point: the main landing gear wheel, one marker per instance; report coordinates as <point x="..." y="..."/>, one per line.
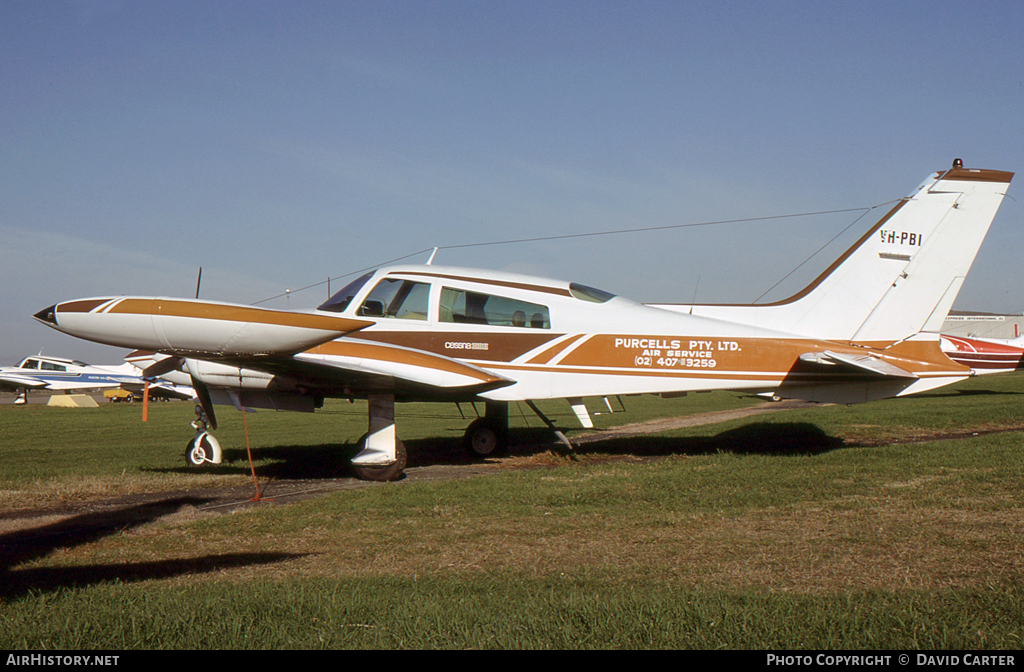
<point x="388" y="472"/>
<point x="485" y="437"/>
<point x="201" y="450"/>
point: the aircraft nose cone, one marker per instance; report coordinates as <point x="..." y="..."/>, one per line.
<point x="47" y="315"/>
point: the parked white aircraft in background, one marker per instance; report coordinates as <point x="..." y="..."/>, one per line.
<point x="56" y="374"/>
<point x="866" y="328"/>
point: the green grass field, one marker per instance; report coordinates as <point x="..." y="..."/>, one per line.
<point x="890" y="525"/>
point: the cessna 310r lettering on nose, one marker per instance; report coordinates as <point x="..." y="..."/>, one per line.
<point x="866" y="328"/>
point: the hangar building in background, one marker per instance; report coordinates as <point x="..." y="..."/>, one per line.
<point x="983" y="325"/>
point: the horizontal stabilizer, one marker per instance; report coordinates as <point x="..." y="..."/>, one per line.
<point x="859" y="363"/>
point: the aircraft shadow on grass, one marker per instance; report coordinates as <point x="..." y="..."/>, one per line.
<point x="759" y="438"/>
<point x="953" y="394"/>
<point x="22" y="546"/>
<point x="331" y="461"/>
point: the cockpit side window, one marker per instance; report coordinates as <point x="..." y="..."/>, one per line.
<point x="464" y="307"/>
<point x="339" y="300"/>
<point x="30" y="364"/>
<point x="401" y="299"/>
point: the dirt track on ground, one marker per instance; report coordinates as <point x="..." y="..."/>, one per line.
<point x="285" y="491"/>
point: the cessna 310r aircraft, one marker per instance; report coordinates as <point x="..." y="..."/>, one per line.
<point x="866" y="328"/>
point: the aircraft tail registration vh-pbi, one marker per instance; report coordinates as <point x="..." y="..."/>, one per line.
<point x="866" y="328"/>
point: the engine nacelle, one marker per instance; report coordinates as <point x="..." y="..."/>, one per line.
<point x="192" y="327"/>
<point x="223" y="375"/>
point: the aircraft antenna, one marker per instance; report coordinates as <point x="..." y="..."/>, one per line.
<point x="431" y="260"/>
<point x="813" y="254"/>
<point x="573" y="236"/>
<point x="199" y="280"/>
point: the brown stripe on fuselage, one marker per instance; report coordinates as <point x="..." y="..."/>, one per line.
<point x="230" y="313"/>
<point x="558" y="291"/>
<point x="798" y="372"/>
<point x="709" y="355"/>
<point x="751" y="359"/>
<point x="663" y="355"/>
<point x="83" y="306"/>
<point x="553" y="351"/>
<point x="500" y="347"/>
<point x="352" y="348"/>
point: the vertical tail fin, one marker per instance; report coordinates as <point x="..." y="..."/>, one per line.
<point x="901" y="277"/>
<point x="920" y="298"/>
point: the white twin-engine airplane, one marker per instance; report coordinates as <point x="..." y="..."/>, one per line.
<point x="57" y="374"/>
<point x="866" y="328"/>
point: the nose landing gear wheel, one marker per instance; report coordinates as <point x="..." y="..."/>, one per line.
<point x="201" y="450"/>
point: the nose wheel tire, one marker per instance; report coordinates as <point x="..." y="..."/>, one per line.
<point x="200" y="451"/>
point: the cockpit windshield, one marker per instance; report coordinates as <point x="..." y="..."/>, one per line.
<point x="340" y="300"/>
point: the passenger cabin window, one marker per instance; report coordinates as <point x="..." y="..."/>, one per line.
<point x="401" y="299"/>
<point x="339" y="300"/>
<point x="462" y="307"/>
<point x="50" y="366"/>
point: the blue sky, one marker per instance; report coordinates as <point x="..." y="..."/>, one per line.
<point x="278" y="144"/>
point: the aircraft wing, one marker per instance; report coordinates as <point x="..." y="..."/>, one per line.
<point x="348" y="367"/>
<point x="13" y="381"/>
<point x="856" y="363"/>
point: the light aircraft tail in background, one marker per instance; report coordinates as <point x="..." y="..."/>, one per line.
<point x="866" y="328"/>
<point x="985" y="355"/>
